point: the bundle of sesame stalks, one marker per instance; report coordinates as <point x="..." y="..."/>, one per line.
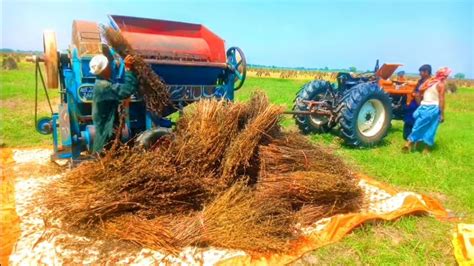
<point x="227" y="177"/>
<point x="151" y="87"/>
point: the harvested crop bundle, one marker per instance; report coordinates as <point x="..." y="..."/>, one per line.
<point x="309" y="188"/>
<point x="9" y="63"/>
<point x="228" y="177"/>
<point x="262" y="123"/>
<point x="238" y="220"/>
<point x="225" y="222"/>
<point x="204" y="133"/>
<point x="151" y="233"/>
<point x="134" y="181"/>
<point x="292" y="152"/>
<point x="151" y="87"/>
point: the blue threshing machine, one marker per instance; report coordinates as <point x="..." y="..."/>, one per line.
<point x="191" y="60"/>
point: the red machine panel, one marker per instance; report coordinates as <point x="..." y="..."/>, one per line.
<point x="171" y="41"/>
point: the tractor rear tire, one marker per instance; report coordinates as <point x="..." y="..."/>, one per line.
<point x="311" y="91"/>
<point x="365" y="116"/>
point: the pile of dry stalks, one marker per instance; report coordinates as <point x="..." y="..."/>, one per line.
<point x="227" y="177"/>
<point x="151" y="87"/>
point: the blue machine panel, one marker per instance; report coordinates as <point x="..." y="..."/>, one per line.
<point x="188" y="75"/>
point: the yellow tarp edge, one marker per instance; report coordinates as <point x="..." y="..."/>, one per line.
<point x="460" y="249"/>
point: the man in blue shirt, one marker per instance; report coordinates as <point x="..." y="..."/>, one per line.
<point x="409" y="120"/>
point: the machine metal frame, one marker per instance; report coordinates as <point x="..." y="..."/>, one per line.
<point x="211" y="73"/>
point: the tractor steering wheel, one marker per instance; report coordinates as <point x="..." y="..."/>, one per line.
<point x="237" y="65"/>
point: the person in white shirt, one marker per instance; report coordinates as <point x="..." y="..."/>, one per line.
<point x="430" y="112"/>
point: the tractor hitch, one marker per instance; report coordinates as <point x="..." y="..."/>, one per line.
<point x="309" y="112"/>
<point x="314" y="108"/>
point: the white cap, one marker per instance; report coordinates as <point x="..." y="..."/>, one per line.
<point x="98" y="63"/>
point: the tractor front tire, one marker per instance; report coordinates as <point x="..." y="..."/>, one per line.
<point x="366" y="115"/>
<point x="311" y="91"/>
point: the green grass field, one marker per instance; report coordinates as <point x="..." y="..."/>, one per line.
<point x="447" y="173"/>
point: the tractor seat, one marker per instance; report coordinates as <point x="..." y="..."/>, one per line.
<point x="386" y="82"/>
<point x="399" y="82"/>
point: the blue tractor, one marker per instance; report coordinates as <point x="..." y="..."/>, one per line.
<point x="190" y="59"/>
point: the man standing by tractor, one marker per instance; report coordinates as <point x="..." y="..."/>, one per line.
<point x="408" y="119"/>
<point x="107" y="96"/>
<point x="401" y="77"/>
<point x="430" y="112"/>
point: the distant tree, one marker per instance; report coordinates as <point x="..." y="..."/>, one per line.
<point x="460" y="76"/>
<point x="326" y="68"/>
<point x="352" y="69"/>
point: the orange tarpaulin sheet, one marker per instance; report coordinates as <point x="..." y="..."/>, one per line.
<point x="384" y="203"/>
<point x="9" y="221"/>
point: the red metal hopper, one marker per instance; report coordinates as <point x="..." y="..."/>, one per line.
<point x="172" y="42"/>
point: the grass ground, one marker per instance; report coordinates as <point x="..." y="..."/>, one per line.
<point x="447" y="174"/>
<point x="17" y="99"/>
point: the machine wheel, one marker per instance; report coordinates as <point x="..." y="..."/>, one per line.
<point x="365" y="115"/>
<point x="311" y="91"/>
<point x="149" y="137"/>
<point x="44" y="126"/>
<point x="238" y="65"/>
<point x="51" y="59"/>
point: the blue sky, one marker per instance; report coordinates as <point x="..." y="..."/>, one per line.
<point x="337" y="34"/>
